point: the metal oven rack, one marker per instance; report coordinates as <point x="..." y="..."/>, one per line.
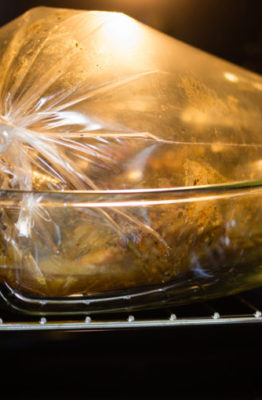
<point x="239" y="309"/>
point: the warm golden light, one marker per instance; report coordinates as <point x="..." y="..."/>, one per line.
<point x="218" y="147"/>
<point x="191" y="115"/>
<point x="122" y="31"/>
<point x="231" y="77"/>
<point x="257" y="85"/>
<point x="135" y="175"/>
<point x="257" y="165"/>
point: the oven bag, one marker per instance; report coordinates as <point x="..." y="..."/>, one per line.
<point x="130" y="166"/>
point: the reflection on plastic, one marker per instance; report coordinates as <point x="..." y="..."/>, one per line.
<point x="231" y="77"/>
<point x="120" y="30"/>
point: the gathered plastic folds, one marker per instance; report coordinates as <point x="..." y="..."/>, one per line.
<point x="130" y="167"/>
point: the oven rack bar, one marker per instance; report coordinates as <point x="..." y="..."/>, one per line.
<point x="122" y="324"/>
<point x="242" y="311"/>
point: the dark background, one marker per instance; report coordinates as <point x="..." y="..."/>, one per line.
<point x="179" y="363"/>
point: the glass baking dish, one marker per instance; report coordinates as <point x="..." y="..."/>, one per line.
<point x="103" y="251"/>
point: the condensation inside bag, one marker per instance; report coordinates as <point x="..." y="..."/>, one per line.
<point x="113" y="111"/>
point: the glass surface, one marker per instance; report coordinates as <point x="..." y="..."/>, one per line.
<point x="189" y="243"/>
<point x="130" y="163"/>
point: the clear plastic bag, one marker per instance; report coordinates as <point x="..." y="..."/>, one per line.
<point x="130" y="165"/>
